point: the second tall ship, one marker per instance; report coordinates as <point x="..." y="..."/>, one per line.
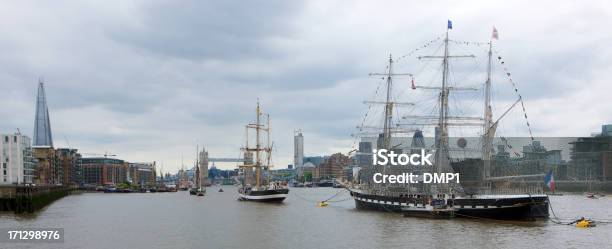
<point x="197" y="190"/>
<point x="256" y="183"/>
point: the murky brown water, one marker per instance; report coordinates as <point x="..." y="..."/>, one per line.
<point x="218" y="220"/>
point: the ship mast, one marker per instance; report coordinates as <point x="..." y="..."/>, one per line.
<point x="442" y="148"/>
<point x="388" y="108"/>
<point x="488" y="130"/>
<point x="257" y="148"/>
<point x="197" y="173"/>
<point x="441" y="152"/>
<point x="268" y="147"/>
<point x="257" y="164"/>
<point x="389" y="104"/>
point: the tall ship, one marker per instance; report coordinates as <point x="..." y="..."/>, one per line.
<point x="488" y="197"/>
<point x="183" y="182"/>
<point x="197" y="189"/>
<point x="256" y="184"/>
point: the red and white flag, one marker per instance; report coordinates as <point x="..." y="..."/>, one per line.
<point x="495" y="35"/>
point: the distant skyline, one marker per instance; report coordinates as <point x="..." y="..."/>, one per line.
<point x="148" y="80"/>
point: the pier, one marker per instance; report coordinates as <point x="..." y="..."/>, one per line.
<point x="21" y="199"/>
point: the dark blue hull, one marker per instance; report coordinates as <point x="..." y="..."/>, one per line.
<point x="497" y="207"/>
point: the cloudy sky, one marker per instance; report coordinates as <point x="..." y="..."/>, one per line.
<point x="148" y="80"/>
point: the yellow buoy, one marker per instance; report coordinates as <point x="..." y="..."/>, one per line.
<point x="322" y="204"/>
<point x="583" y="224"/>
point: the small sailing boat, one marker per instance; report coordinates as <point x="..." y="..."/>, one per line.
<point x="259" y="189"/>
<point x="591" y="194"/>
<point x="183" y="182"/>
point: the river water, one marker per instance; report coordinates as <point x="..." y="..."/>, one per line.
<point x="218" y="220"/>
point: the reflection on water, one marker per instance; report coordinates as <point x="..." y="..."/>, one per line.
<point x="218" y="220"/>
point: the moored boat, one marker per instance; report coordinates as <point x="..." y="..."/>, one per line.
<point x="256" y="187"/>
<point x="266" y="195"/>
<point x="197" y="190"/>
<point x="441" y="200"/>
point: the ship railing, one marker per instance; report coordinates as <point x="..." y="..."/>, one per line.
<point x="515" y="190"/>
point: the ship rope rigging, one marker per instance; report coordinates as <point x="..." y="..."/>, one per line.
<point x="369" y="111"/>
<point x="455" y="99"/>
<point x="507" y="75"/>
<point x="430" y="44"/>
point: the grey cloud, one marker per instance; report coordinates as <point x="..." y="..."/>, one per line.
<point x="150" y="79"/>
<point x="203" y="30"/>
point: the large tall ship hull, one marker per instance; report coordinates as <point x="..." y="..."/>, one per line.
<point x="497" y="207"/>
<point x="271" y="195"/>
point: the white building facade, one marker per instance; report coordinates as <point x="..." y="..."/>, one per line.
<point x="16" y="161"/>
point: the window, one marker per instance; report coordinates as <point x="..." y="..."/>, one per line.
<point x="6" y="139"/>
<point x="15" y="139"/>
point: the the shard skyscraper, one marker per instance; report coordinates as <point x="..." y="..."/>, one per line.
<point x="42" y="126"/>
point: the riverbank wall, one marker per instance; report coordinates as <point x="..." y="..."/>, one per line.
<point x="29" y="199"/>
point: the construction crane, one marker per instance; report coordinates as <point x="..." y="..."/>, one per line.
<point x="106" y="154"/>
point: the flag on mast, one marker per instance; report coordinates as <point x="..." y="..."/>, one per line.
<point x="550" y="180"/>
<point x="495" y="35"/>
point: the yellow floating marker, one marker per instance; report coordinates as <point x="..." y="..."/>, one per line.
<point x="584" y="224"/>
<point x="322" y="204"/>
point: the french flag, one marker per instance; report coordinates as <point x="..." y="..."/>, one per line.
<point x="550" y="180"/>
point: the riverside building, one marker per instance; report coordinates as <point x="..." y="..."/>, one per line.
<point x="16" y="161"/>
<point x="100" y="171"/>
<point x="591" y="157"/>
<point x="142" y="174"/>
